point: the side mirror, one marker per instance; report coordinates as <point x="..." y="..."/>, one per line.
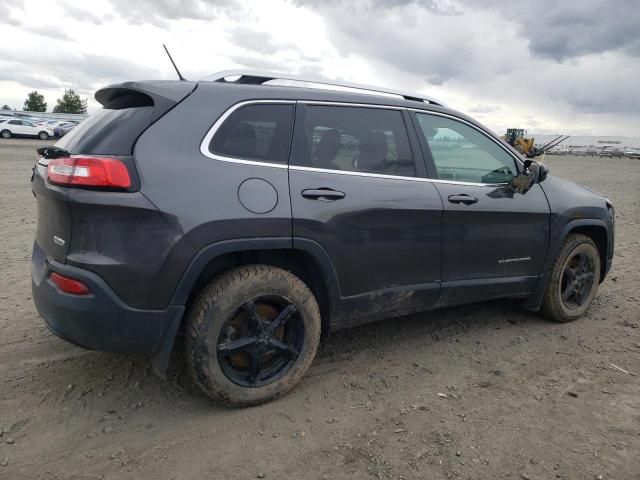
<point x="543" y="171"/>
<point x="532" y="172"/>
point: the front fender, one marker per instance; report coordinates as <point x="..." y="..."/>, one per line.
<point x="558" y="236"/>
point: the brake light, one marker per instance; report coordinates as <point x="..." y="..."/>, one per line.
<point x="69" y="285"/>
<point x="88" y="172"/>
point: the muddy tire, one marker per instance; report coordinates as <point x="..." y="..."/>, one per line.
<point x="574" y="279"/>
<point x="250" y="335"/>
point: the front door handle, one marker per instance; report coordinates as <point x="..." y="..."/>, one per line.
<point x="463" y="198"/>
<point x="326" y="194"/>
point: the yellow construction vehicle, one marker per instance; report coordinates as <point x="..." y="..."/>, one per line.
<point x="516" y="138"/>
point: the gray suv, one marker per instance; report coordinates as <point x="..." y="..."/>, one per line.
<point x="244" y="221"/>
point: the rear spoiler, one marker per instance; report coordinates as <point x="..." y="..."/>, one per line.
<point x="162" y="95"/>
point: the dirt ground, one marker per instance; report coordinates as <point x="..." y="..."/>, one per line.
<point x="486" y="391"/>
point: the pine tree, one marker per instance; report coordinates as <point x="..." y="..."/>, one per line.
<point x="70" y="103"/>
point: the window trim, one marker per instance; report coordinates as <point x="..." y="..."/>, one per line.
<point x="204" y="145"/>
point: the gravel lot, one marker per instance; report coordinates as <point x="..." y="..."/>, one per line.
<point x="477" y="392"/>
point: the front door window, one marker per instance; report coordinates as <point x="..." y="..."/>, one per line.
<point x="461" y="153"/>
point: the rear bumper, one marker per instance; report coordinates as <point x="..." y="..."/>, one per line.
<point x="100" y="321"/>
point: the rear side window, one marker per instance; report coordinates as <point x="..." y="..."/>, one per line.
<point x="108" y="131"/>
<point x="256" y="132"/>
<point x="357" y="139"/>
<point x="15" y="122"/>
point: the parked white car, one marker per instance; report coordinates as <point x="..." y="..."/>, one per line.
<point x="17" y="127"/>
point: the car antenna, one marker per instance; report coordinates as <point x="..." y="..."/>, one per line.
<point x="174" y="64"/>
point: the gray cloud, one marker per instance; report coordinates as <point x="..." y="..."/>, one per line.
<point x="10" y="10"/>
<point x="293" y="63"/>
<point x="562" y="30"/>
<point x="538" y="56"/>
<point x="83" y="15"/>
<point x="46" y="31"/>
<point x="83" y="72"/>
<point x="257" y="62"/>
<point x="444" y="7"/>
<point x="482" y="108"/>
<point x="160" y="12"/>
<point x="250" y="39"/>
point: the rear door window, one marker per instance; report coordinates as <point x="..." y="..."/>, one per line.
<point x="259" y="132"/>
<point x="357" y="139"/>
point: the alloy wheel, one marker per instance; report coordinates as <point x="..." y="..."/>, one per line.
<point x="261" y="341"/>
<point x="577" y="280"/>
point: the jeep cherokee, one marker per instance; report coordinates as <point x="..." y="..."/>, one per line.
<point x="249" y="219"/>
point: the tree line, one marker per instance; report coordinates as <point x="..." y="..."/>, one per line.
<point x="70" y="102"/>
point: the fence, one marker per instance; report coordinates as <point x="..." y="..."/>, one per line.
<point x="78" y="117"/>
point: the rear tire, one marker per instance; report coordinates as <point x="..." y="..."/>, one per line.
<point x="239" y="350"/>
<point x="5" y="134"/>
<point x="43" y="136"/>
<point x="574" y="279"/>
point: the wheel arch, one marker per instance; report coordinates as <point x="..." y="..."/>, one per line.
<point x="304" y="258"/>
<point x="597" y="233"/>
<point x="594" y="228"/>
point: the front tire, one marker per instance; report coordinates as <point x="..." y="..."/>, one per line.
<point x="574" y="279"/>
<point x="43" y="136"/>
<point x="5" y="134"/>
<point x="251" y="334"/>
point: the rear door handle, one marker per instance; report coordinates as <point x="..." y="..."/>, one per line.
<point x="326" y="194"/>
<point x="463" y="198"/>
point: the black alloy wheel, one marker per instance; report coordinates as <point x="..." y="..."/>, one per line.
<point x="577" y="280"/>
<point x="261" y="341"/>
<point x="574" y="279"/>
<point x="251" y="334"/>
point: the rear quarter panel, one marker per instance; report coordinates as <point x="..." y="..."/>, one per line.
<point x="198" y="194"/>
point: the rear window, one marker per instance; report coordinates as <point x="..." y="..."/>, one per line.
<point x="256" y="132"/>
<point x="108" y="132"/>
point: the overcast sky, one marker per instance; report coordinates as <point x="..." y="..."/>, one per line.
<point x="549" y="66"/>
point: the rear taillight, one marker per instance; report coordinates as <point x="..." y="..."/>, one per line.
<point x="88" y="172"/>
<point x="68" y="284"/>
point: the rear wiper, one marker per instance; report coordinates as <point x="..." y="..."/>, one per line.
<point x="51" y="151"/>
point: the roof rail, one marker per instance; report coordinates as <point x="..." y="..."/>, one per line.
<point x="255" y="77"/>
